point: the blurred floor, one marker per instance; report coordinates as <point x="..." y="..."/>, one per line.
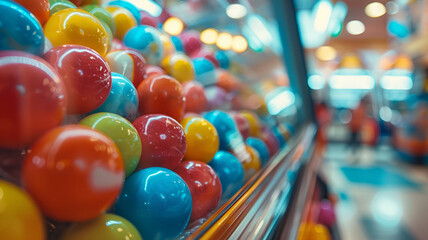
<point x="380" y="197"/>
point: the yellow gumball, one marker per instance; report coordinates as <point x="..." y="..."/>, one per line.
<point x="168" y="46"/>
<point x="76" y="26"/>
<point x="202" y="139"/>
<point x="254" y="121"/>
<point x="124" y="20"/>
<point x="106" y="227"/>
<point x="179" y="66"/>
<point x="252" y="166"/>
<point x="20" y="219"/>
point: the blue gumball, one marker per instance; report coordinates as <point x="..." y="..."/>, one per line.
<point x="230" y="172"/>
<point x="122" y="99"/>
<point x="157" y="201"/>
<point x="205" y="71"/>
<point x="223" y="59"/>
<point x="130" y="7"/>
<point x="147" y="41"/>
<point x="279" y="137"/>
<point x="260" y="147"/>
<point x="228" y="132"/>
<point x="19" y="29"/>
<point x="177" y="43"/>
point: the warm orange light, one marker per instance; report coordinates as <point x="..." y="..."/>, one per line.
<point x="224" y="41"/>
<point x="239" y="44"/>
<point x="173" y="26"/>
<point x="209" y="36"/>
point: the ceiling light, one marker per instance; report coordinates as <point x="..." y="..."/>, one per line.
<point x="322" y="17"/>
<point x="224" y="41"/>
<point x="355" y="27"/>
<point x="325" y="53"/>
<point x="173" y="26"/>
<point x="239" y="44"/>
<point x="236" y="11"/>
<point x="375" y="9"/>
<point x="209" y="36"/>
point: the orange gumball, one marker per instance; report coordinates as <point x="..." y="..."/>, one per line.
<point x="227" y="81"/>
<point x="73" y="173"/>
<point x="161" y="94"/>
<point x="40" y="8"/>
<point x="252" y="166"/>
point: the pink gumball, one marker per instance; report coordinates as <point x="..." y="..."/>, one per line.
<point x="326" y="215"/>
<point x="191" y="42"/>
<point x="196" y="101"/>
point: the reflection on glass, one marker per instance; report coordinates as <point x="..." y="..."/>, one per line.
<point x="387" y="209"/>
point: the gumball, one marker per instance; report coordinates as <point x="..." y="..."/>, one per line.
<point x="205" y="71"/>
<point x="146" y="39"/>
<point x="128" y="6"/>
<point x="87" y="2"/>
<point x="227" y="81"/>
<point x="253" y="165"/>
<point x="201" y="138"/>
<point x="217" y="98"/>
<point x="242" y="124"/>
<point x="270" y="140"/>
<point x="40" y="8"/>
<point x="177" y="43"/>
<point x="326" y="213"/>
<point x="226" y="128"/>
<point x="180" y="67"/>
<point x="163" y="141"/>
<point x="102" y="15"/>
<point x="254" y="121"/>
<point x="205" y="53"/>
<point x="157" y="201"/>
<point x="129" y="63"/>
<point x="19" y="29"/>
<point x="260" y="147"/>
<point x="32" y="98"/>
<point x="147" y="19"/>
<point x="230" y="171"/>
<point x="196" y="101"/>
<point x="58" y="5"/>
<point x="204" y="185"/>
<point x="167" y="44"/>
<point x="73" y="173"/>
<point x="191" y="42"/>
<point x="153" y="70"/>
<point x="222" y="59"/>
<point x="20" y="219"/>
<point x="106" y="227"/>
<point x="124" y="20"/>
<point x="279" y="136"/>
<point x="161" y="94"/>
<point x="85" y="73"/>
<point x="76" y="26"/>
<point x="77" y="2"/>
<point x="123" y="134"/>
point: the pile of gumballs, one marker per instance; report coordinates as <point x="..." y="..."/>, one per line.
<point x="123" y="132"/>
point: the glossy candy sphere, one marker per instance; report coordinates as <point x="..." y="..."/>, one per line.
<point x="261" y="148"/>
<point x="226" y="128"/>
<point x="129" y="63"/>
<point x="153" y="70"/>
<point x="76" y="26"/>
<point x="122" y="99"/>
<point x="77" y="2"/>
<point x="20" y="219"/>
<point x="124" y="20"/>
<point x="177" y="44"/>
<point x="270" y="140"/>
<point x="227" y="81"/>
<point x="252" y="166"/>
<point x="167" y="44"/>
<point x="105" y="227"/>
<point x="40" y="8"/>
<point x="161" y="94"/>
<point x="222" y="59"/>
<point x="157" y="201"/>
<point x="242" y="123"/>
<point x="146" y="39"/>
<point x="204" y="185"/>
<point x="128" y="6"/>
<point x="202" y="139"/>
<point x="230" y="172"/>
<point x="163" y="141"/>
<point x="179" y="66"/>
<point x="205" y="71"/>
<point x="19" y="29"/>
<point x="217" y="98"/>
<point x="32" y="98"/>
<point x="149" y="20"/>
<point x="279" y="136"/>
<point x="254" y="121"/>
<point x="86" y="75"/>
<point x="102" y="15"/>
<point x="58" y="5"/>
<point x="191" y="42"/>
<point x="123" y="134"/>
<point x="196" y="100"/>
<point x="73" y="173"/>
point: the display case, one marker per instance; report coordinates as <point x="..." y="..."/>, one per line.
<point x="244" y="57"/>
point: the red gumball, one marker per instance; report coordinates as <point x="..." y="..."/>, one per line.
<point x="243" y="124"/>
<point x="129" y="63"/>
<point x="227" y="81"/>
<point x="77" y="2"/>
<point x="32" y="98"/>
<point x="204" y="185"/>
<point x="147" y="19"/>
<point x="85" y="73"/>
<point x="161" y="94"/>
<point x="73" y="173"/>
<point x="196" y="101"/>
<point x="40" y="8"/>
<point x="270" y="140"/>
<point x="163" y="141"/>
<point x="153" y="70"/>
<point x="191" y="42"/>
